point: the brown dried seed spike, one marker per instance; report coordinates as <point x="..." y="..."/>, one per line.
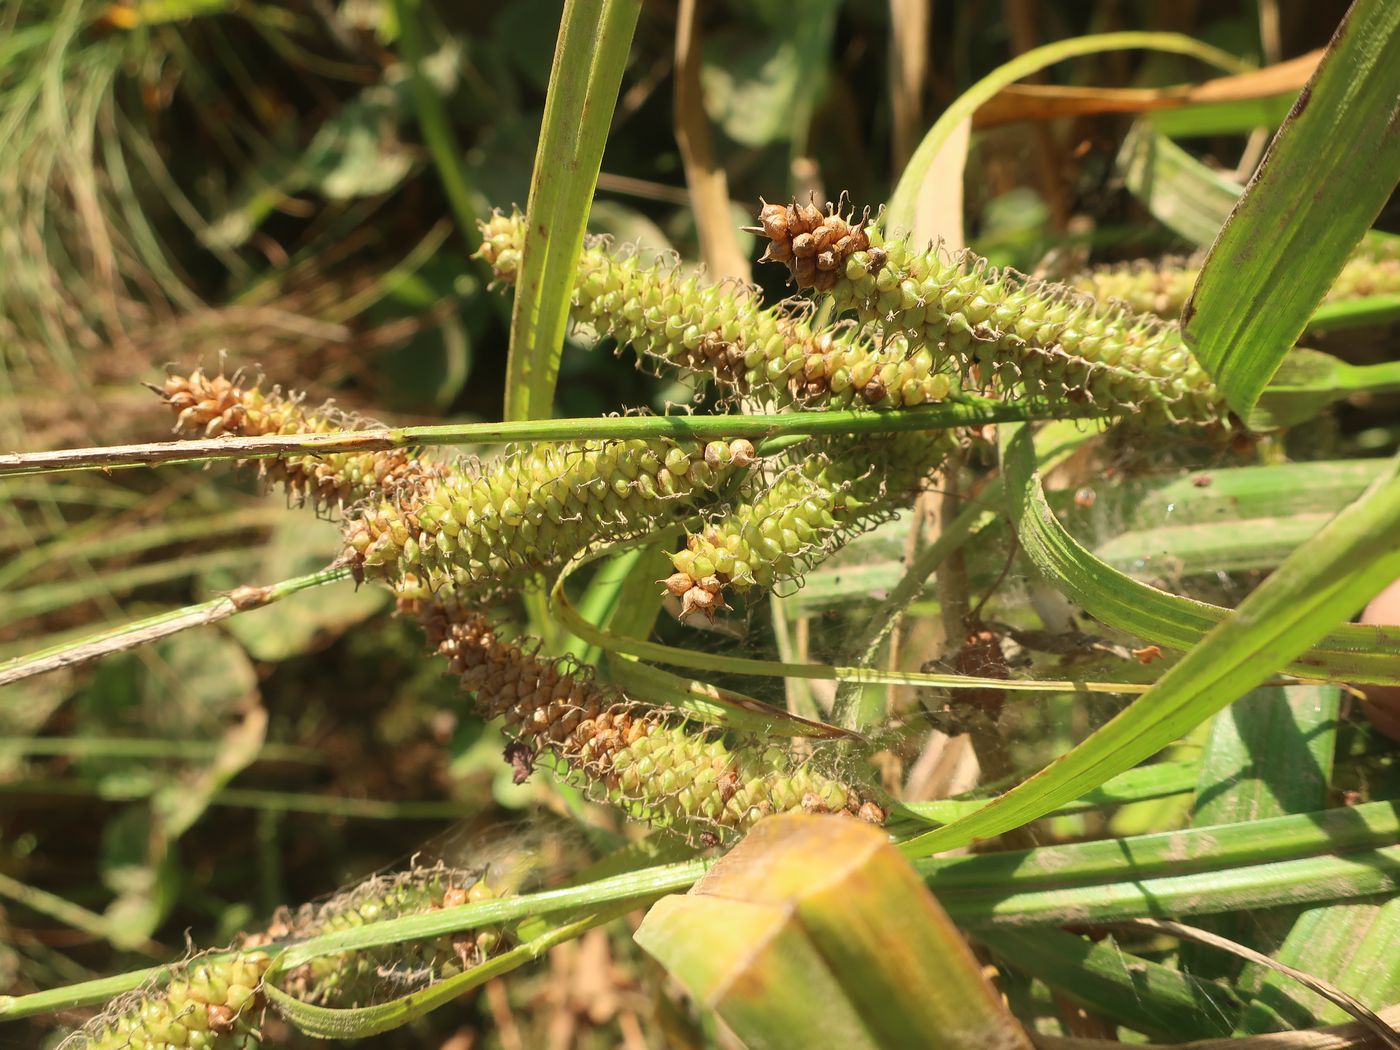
<point x="814" y="244"/>
<point x="659" y="767"/>
<point x="212" y="406"/>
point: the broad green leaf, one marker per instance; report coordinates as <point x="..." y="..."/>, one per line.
<point x="1306" y="382"/>
<point x="589" y="58"/>
<point x="1325" y="581"/>
<point x="1326" y="877"/>
<point x="753" y="964"/>
<point x="1327" y="174"/>
<point x="1236" y="117"/>
<point x="1268" y="754"/>
<point x="901" y="213"/>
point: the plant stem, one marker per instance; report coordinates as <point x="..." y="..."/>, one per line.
<point x="435" y="125"/>
<point x="966" y="411"/>
<point x="162" y="625"/>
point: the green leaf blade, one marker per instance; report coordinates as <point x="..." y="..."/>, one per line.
<point x="1326" y="176"/>
<point x="1322" y="583"/>
<point x="594" y="39"/>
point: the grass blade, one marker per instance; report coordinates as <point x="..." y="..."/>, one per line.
<point x="1352" y="652"/>
<point x="1182" y="194"/>
<point x="902" y="212"/>
<point x="1326" y="580"/>
<point x="594" y="38"/>
<point x="435" y="125"/>
<point x="1143" y="995"/>
<point x="1307" y="206"/>
<point x="162" y="625"/>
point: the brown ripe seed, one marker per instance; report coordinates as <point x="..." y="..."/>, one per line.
<point x="871" y="813"/>
<point x="221" y="1019"/>
<point x="454" y="896"/>
<point x="678" y="583"/>
<point x="774" y="218"/>
<point x="701" y="601"/>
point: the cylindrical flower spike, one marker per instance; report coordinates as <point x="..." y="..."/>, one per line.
<point x="723" y="331"/>
<point x="208" y="406"/>
<point x="485" y="528"/>
<point x="1162" y="287"/>
<point x="1025" y="335"/>
<point x="783" y="526"/>
<point x="370" y="975"/>
<point x="659" y="768"/>
<point x="208" y="1004"/>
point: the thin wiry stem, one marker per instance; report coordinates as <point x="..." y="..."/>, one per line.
<point x="963" y="412"/>
<point x="162" y="625"/>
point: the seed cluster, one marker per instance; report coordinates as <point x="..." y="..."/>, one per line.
<point x="814" y="244"/>
<point x="208" y="406"/>
<point x="207" y="1005"/>
<point x="723" y="331"/>
<point x="649" y="761"/>
<point x="1162" y="287"/>
<point x="1023" y="335"/>
<point x="784" y="525"/>
<point x="484" y="528"/>
<point x="369" y="975"/>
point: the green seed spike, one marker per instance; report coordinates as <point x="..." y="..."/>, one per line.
<point x="206" y="1004"/>
<point x="485" y="527"/>
<point x="371" y="975"/>
<point x="208" y="406"/>
<point x="657" y="767"/>
<point x="1162" y="287"/>
<point x="783" y="526"/>
<point x="1023" y="335"/>
<point x="723" y="331"/>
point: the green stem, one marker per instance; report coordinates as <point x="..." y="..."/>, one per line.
<point x="46" y="597"/>
<point x="435" y="125"/>
<point x="118" y="747"/>
<point x="55" y="907"/>
<point x="966" y="411"/>
<point x="563" y="611"/>
<point x="162" y="625"/>
<point x="249" y="798"/>
<point x="1225" y="867"/>
<point x="96" y="540"/>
